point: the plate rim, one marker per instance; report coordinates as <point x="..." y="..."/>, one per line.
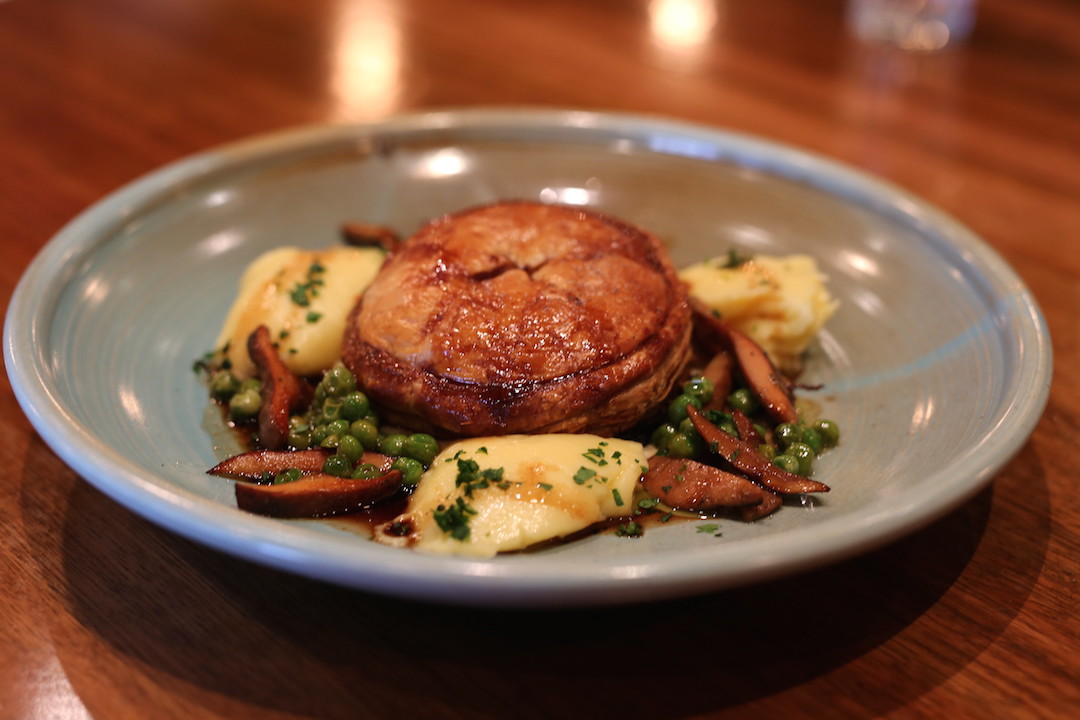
<point x="503" y="581"/>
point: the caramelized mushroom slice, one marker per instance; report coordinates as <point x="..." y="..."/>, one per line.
<point x="316" y="495"/>
<point x="745" y="426"/>
<point x="259" y="464"/>
<point x="745" y="457"/>
<point x="765" y="381"/>
<point x="690" y="485"/>
<point x="360" y="234"/>
<point x="769" y="503"/>
<point x="282" y="392"/>
<point x="718" y="371"/>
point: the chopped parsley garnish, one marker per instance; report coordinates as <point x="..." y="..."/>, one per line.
<point x="454" y="519"/>
<point x="546" y="486"/>
<point x="470" y="477"/>
<point x="313" y="317"/>
<point x="710" y="528"/>
<point x="584" y="475"/>
<point x="595" y="455"/>
<point x="734" y="258"/>
<point x="617" y="496"/>
<point x="302" y="293"/>
<point x="630" y="529"/>
<point x="206" y="362"/>
<point x="647" y="503"/>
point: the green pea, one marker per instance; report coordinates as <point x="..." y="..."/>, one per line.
<point x="331" y="410"/>
<point x="367" y="471"/>
<point x="253" y="383"/>
<point x="829" y="431"/>
<point x="338" y="427"/>
<point x="330" y="442"/>
<point x="338" y="381"/>
<point x="410" y="468"/>
<point x="354" y="406"/>
<point x="812" y="437"/>
<point x="299" y="434"/>
<point x="677" y="408"/>
<point x="787" y="463"/>
<point x="421" y="447"/>
<point x="804" y="454"/>
<point x="223" y="384"/>
<point x="684" y="445"/>
<point x="700" y="387"/>
<point x="392" y="444"/>
<point x="662" y="435"/>
<point x="767" y="450"/>
<point x="245" y="405"/>
<point x="366" y="432"/>
<point x="743" y="400"/>
<point x="787" y="433"/>
<point x="350" y="447"/>
<point x="287" y="475"/>
<point x="319" y="433"/>
<point x="338" y="465"/>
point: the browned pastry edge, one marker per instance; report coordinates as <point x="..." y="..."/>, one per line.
<point x="414" y="398"/>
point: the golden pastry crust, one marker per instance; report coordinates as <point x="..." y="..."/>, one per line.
<point x="521" y="317"/>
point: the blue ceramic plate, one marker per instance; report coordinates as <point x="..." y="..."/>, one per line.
<point x="937" y="365"/>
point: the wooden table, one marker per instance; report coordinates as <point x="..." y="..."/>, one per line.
<point x="103" y="614"/>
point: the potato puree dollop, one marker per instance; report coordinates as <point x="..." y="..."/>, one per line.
<point x="549" y="486"/>
<point x="781" y="302"/>
<point x="303" y="297"/>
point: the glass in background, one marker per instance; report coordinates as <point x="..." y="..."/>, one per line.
<point x="918" y="25"/>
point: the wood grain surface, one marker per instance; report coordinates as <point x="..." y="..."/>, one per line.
<point x="104" y="615"/>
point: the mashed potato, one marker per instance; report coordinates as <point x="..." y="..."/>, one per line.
<point x="484" y="496"/>
<point x="303" y="297"/>
<point x="781" y="302"/>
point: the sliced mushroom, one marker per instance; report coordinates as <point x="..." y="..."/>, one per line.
<point x="770" y="501"/>
<point x="691" y="485"/>
<point x="746" y="458"/>
<point x="360" y="234"/>
<point x="282" y="392"/>
<point x="719" y="371"/>
<point x="746" y="428"/>
<point x="260" y="464"/>
<point x="316" y="495"/>
<point x="765" y="381"/>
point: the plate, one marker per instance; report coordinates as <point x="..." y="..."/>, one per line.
<point x="936" y="367"/>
